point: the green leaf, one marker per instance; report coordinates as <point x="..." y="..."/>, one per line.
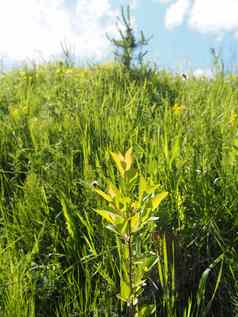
<point x="125" y="292"/>
<point x="200" y="297"/>
<point x="125" y="251"/>
<point x="143" y="266"/>
<point x="139" y="274"/>
<point x="68" y="219"/>
<point x="175" y="151"/>
<point x="106" y="276"/>
<point x="157" y="199"/>
<point x="112" y="228"/>
<point x="122" y="227"/>
<point x="135" y="222"/>
<point x="110" y="216"/>
<point x="142" y="187"/>
<point x="147" y="310"/>
<point x="145" y="187"/>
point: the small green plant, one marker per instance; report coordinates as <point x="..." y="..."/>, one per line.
<point x="68" y="55"/>
<point x="218" y="64"/>
<point x="127" y="45"/>
<point x="131" y="216"/>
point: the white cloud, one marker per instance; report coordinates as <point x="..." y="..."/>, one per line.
<point x="163" y="1"/>
<point x="214" y="16"/>
<point x="205" y="16"/>
<point x="176" y="13"/>
<point x="202" y="73"/>
<point x="36" y="28"/>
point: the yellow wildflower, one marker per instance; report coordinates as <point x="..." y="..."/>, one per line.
<point x="233" y="119"/>
<point x="177" y="108"/>
<point x="69" y="71"/>
<point x="18" y="112"/>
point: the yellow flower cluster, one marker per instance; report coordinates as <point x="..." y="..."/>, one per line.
<point x="177" y="108"/>
<point x="233" y="119"/>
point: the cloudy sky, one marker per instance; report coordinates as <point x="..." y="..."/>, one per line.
<point x="183" y="30"/>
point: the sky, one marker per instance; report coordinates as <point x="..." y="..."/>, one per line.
<point x="183" y="31"/>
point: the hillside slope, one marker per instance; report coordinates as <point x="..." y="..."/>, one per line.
<point x="58" y="126"/>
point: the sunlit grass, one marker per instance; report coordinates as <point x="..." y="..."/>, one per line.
<point x="58" y="126"/>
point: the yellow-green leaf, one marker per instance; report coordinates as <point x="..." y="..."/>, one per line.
<point x="125" y="251"/>
<point x="157" y="199"/>
<point x="128" y="159"/>
<point x="135" y="205"/>
<point x="68" y="219"/>
<point x="122" y="227"/>
<point x="110" y="217"/>
<point x="118" y="159"/>
<point x="125" y="290"/>
<point x="147" y="310"/>
<point x="112" y="190"/>
<point x="135" y="222"/>
<point x="103" y="194"/>
<point x="142" y="187"/>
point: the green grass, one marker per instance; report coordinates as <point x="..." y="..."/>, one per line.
<point x="58" y="126"/>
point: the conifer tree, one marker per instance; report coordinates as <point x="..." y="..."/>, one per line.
<point x="128" y="49"/>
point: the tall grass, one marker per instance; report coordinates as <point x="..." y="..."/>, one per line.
<point x="58" y="125"/>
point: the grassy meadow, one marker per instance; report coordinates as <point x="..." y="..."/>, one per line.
<point x="61" y="131"/>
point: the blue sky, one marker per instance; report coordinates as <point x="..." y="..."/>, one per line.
<point x="183" y="42"/>
<point x="183" y="30"/>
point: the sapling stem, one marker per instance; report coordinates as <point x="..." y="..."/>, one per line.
<point x="131" y="307"/>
